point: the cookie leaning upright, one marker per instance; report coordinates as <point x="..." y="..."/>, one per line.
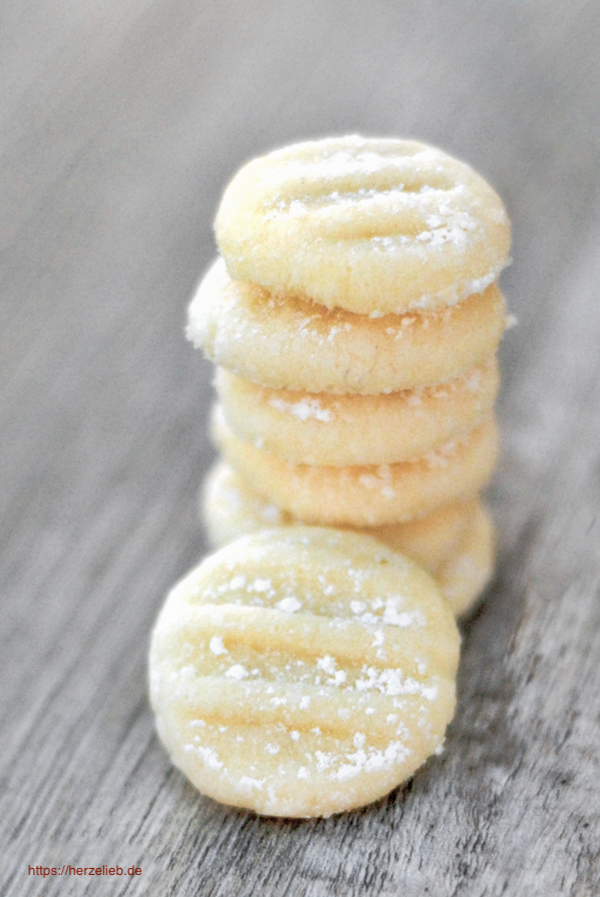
<point x="303" y="671"/>
<point x="373" y="226"/>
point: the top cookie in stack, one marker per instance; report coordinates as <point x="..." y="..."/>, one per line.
<point x="355" y="315"/>
<point x="371" y="226"/>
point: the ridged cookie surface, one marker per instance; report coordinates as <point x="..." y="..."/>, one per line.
<point x="288" y="343"/>
<point x="372" y="226"/>
<point x="302" y="672"/>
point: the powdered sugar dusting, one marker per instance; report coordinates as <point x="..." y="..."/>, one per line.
<point x="448" y="226"/>
<point x="306" y="409"/>
<point x="372" y="760"/>
<point x="456" y="293"/>
<point x="209" y="756"/>
<point x="250" y="782"/>
<point x="391" y="682"/>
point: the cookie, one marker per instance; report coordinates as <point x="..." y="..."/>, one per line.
<point x="288" y="343"/>
<point x="372" y="226"/>
<point x="433" y="540"/>
<point x="367" y="495"/>
<point x="463" y="578"/>
<point x="303" y="671"/>
<point x="341" y="430"/>
<point x="231" y="509"/>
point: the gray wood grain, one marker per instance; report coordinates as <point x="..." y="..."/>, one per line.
<point x="120" y="124"/>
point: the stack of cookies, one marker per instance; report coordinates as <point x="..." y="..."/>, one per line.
<point x="354" y="317"/>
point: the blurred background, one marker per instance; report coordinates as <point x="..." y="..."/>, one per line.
<point x="120" y="124"/>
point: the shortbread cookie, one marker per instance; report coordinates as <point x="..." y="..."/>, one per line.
<point x="288" y="343"/>
<point x="372" y="226"/>
<point x="463" y="579"/>
<point x="230" y="509"/>
<point x="367" y="495"/>
<point x="301" y="672"/>
<point x="433" y="540"/>
<point x="340" y="430"/>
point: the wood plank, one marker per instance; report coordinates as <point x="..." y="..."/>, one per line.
<point x="120" y="127"/>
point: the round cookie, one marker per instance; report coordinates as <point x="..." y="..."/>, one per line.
<point x="372" y="226"/>
<point x="463" y="578"/>
<point x="230" y="509"/>
<point x="288" y="343"/>
<point x="366" y="495"/>
<point x="431" y="540"/>
<point x="342" y="430"/>
<point x="302" y="671"/>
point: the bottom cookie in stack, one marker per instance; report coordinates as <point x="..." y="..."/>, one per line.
<point x="456" y="543"/>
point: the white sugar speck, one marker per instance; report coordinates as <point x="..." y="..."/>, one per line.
<point x="323" y="760"/>
<point x="209" y="756"/>
<point x="237" y="671"/>
<point x="260" y="585"/>
<point x="327" y="664"/>
<point x="303" y="410"/>
<point x="216" y="645"/>
<point x="289" y="605"/>
<point x="363" y="761"/>
<point x="393" y="616"/>
<point x="358" y="607"/>
<point x="187" y="672"/>
<point x="249" y="782"/>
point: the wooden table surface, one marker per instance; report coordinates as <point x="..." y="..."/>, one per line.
<point x="120" y="125"/>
